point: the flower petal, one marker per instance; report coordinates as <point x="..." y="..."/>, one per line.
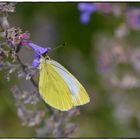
<point x="36" y="63"/>
<point x="38" y="49"/>
<point x="87" y="7"/>
<point x="84" y="18"/>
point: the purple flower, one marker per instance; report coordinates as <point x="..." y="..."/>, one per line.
<point x="38" y="52"/>
<point x="85" y="17"/>
<point x="86" y="10"/>
<point x="134" y="18"/>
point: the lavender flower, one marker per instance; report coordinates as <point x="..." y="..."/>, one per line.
<point x="38" y="52"/>
<point x="86" y="10"/>
<point x="134" y="18"/>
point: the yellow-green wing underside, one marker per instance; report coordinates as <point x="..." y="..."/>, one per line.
<point x="59" y="88"/>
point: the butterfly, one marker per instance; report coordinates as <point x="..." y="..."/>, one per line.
<point x="58" y="87"/>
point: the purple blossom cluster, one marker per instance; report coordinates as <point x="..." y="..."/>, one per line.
<point x="86" y="10"/>
<point x="134" y="18"/>
<point x="118" y="62"/>
<point x="39" y="51"/>
<point x="16" y="39"/>
<point x="132" y="13"/>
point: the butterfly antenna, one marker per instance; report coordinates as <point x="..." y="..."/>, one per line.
<point x="59" y="46"/>
<point x="52" y="49"/>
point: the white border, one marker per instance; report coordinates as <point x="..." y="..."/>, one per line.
<point x="70" y="1"/>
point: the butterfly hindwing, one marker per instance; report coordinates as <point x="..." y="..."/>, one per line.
<point x="59" y="88"/>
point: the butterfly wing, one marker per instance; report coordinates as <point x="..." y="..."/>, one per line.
<point x="59" y="88"/>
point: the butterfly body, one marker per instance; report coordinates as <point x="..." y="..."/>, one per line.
<point x="58" y="87"/>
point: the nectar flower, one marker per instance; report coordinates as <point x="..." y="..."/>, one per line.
<point x="38" y="52"/>
<point x="86" y="10"/>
